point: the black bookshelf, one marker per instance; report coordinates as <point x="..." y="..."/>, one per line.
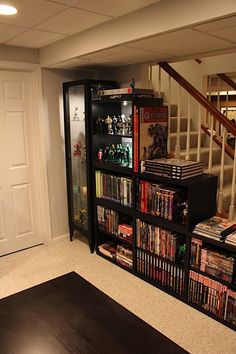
<point x="201" y="200"/>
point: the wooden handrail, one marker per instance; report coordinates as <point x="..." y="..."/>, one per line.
<point x="218" y="140"/>
<point x="231" y="128"/>
<point x="228" y="80"/>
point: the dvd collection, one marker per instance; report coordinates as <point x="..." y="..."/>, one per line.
<point x="160" y="254"/>
<point x="162" y="242"/>
<point x="172" y="168"/>
<point x="161" y="271"/>
<point x="122" y="254"/>
<point x="108" y="221"/>
<point x="211" y="261"/>
<point x="216" y="227"/>
<point x="212" y="296"/>
<point x="163" y="200"/>
<point x="118" y="189"/>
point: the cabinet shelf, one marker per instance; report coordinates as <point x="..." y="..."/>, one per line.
<point x="115" y="262"/>
<point x="156" y="220"/>
<point x="112" y="136"/>
<point x="220" y="244"/>
<point x="114" y="206"/>
<point x="228" y="284"/>
<point x="106" y="166"/>
<point x="117" y="238"/>
<point x="181" y="266"/>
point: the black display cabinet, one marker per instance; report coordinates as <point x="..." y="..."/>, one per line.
<point x="77" y="96"/>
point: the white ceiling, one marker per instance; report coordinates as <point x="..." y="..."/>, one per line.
<point x="42" y="22"/>
<point x="49" y="21"/>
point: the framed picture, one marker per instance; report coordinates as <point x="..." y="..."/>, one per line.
<point x="231" y="114"/>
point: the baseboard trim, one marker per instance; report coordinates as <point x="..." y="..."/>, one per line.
<point x="60" y="238"/>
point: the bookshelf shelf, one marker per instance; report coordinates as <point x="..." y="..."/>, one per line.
<point x="115" y="262"/>
<point x="114" y="205"/>
<point x="112" y="136"/>
<point x="106" y="166"/>
<point x="156" y="220"/>
<point x="221" y="244"/>
<point x="117" y="238"/>
<point x="173" y="234"/>
<point x="228" y="284"/>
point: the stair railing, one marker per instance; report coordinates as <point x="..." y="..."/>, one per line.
<point x="216" y="126"/>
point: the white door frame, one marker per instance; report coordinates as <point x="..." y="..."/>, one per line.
<point x="39" y="127"/>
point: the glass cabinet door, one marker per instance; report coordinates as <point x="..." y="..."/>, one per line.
<point x="76" y="97"/>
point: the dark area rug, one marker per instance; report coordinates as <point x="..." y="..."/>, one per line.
<point x="70" y="315"/>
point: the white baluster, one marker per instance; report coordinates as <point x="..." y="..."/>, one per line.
<point x="221" y="184"/>
<point x="159" y="82"/>
<point x="199" y="133"/>
<point x="177" y="146"/>
<point x="232" y="206"/>
<point x="211" y="146"/>
<point x="187" y="157"/>
<point x="218" y="125"/>
<point x="150" y="76"/>
<point x="169" y="104"/>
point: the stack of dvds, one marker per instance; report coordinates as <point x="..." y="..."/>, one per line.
<point x="172" y="168"/>
<point x="218" y="264"/>
<point x="231" y="238"/>
<point x="216" y="228"/>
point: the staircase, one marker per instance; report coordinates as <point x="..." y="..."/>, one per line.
<point x="204" y="154"/>
<point x="202" y="138"/>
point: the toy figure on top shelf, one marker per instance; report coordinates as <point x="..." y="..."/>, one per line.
<point x="116" y="154"/>
<point x="114" y="125"/>
<point x="118" y="125"/>
<point x="108" y="122"/>
<point x="100" y="126"/>
<point x="128" y="125"/>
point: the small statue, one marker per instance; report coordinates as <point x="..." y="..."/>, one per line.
<point x="114" y="125"/>
<point x="108" y="122"/>
<point x="100" y="154"/>
<point x="100" y="125"/>
<point x="132" y="83"/>
<point x="76" y="113"/>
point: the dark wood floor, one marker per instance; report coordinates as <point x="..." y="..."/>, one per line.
<point x="69" y="315"/>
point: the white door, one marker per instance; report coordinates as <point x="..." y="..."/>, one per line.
<point x="20" y="224"/>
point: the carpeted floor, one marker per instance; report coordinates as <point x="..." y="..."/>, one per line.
<point x="185" y="326"/>
<point x="69" y="315"/>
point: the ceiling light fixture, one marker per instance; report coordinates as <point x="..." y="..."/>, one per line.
<point x="7" y="10"/>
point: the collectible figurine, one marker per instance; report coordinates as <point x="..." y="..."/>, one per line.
<point x="76" y="113"/>
<point x="100" y="155"/>
<point x="108" y="122"/>
<point x="100" y="125"/>
<point x="119" y="125"/>
<point x="114" y="125"/>
<point x="132" y="83"/>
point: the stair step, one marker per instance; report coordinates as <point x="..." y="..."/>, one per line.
<point x="228" y="173"/>
<point x="183" y="139"/>
<point x="183" y="124"/>
<point x="227" y="198"/>
<point x="204" y="157"/>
